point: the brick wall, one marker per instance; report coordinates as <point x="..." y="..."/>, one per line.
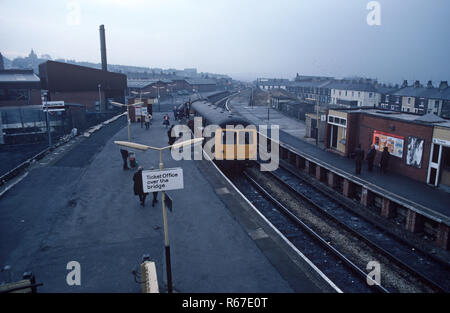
<point x="367" y="126"/>
<point x="87" y="98"/>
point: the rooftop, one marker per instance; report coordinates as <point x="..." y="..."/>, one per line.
<point x="18" y="76"/>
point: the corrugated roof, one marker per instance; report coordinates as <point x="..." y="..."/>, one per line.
<point x="18" y="76"/>
<point x="201" y="81"/>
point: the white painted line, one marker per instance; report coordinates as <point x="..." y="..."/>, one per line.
<point x="276" y="230"/>
<point x="12" y="185"/>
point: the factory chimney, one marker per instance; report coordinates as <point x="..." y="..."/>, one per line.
<point x="103" y="48"/>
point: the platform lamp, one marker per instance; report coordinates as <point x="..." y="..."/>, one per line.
<point x="163" y="194"/>
<point x="128" y="113"/>
<point x="159" y="103"/>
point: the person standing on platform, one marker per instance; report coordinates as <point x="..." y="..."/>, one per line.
<point x="124" y="154"/>
<point x="166" y="120"/>
<point x="359" y="157"/>
<point x="384" y="163"/>
<point x="138" y="187"/>
<point x="172" y="139"/>
<point x="175" y="113"/>
<point x="371" y="157"/>
<point x="147" y="122"/>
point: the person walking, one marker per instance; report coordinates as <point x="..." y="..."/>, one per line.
<point x="166" y="120"/>
<point x="384" y="162"/>
<point x="175" y="113"/>
<point x="124" y="154"/>
<point x="147" y="122"/>
<point x="359" y="157"/>
<point x="155" y="198"/>
<point x="138" y="187"/>
<point x="371" y="157"/>
<point x="172" y="138"/>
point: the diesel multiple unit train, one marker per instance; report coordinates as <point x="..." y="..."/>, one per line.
<point x="235" y="140"/>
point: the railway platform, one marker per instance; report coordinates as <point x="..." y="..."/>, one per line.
<point x="78" y="205"/>
<point x="418" y="202"/>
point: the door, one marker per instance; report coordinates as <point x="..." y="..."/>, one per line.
<point x="333" y="137"/>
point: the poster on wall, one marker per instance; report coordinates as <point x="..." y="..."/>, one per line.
<point x="394" y="143"/>
<point x="414" y="152"/>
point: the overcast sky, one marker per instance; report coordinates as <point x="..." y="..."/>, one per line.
<point x="242" y="38"/>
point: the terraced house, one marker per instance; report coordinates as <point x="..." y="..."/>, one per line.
<point x="354" y="93"/>
<point x="421" y="99"/>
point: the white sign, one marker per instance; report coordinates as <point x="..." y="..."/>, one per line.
<point x="138" y="111"/>
<point x="53" y="106"/>
<point x="144" y="110"/>
<point x="162" y="180"/>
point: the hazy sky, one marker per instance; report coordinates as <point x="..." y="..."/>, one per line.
<point x="242" y="38"/>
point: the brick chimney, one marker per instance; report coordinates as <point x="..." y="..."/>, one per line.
<point x="443" y="85"/>
<point x="429" y="84"/>
<point x="405" y="84"/>
<point x="416" y="84"/>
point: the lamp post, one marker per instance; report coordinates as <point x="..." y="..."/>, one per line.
<point x="128" y="113"/>
<point x="99" y="97"/>
<point x="159" y="103"/>
<point x="47" y="119"/>
<point x="163" y="195"/>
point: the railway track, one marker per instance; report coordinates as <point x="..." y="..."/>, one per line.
<point x="403" y="269"/>
<point x="348" y="276"/>
<point x="430" y="271"/>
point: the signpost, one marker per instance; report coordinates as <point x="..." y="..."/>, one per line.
<point x="162" y="180"/>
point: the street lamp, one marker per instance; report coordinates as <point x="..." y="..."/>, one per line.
<point x="128" y="113"/>
<point x="159" y="103"/>
<point x="47" y="119"/>
<point x="163" y="196"/>
<point x="99" y="97"/>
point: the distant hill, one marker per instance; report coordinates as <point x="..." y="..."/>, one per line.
<point x="32" y="61"/>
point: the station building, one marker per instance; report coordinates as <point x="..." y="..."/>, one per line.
<point x="83" y="85"/>
<point x="419" y="145"/>
<point x="19" y="88"/>
<point x="201" y="85"/>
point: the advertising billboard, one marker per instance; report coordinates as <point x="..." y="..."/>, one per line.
<point x="394" y="143"/>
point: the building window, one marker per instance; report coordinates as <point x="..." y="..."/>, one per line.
<point x="346" y="92"/>
<point x="359" y="94"/>
<point x="409" y="100"/>
<point x="353" y="93"/>
<point x="339" y="92"/>
<point x="370" y="95"/>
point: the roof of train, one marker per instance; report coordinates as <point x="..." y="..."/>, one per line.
<point x="217" y="115"/>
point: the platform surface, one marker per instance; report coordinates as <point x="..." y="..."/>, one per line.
<point x="79" y="206"/>
<point x="424" y="198"/>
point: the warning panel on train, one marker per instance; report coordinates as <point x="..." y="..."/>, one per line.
<point x="162" y="180"/>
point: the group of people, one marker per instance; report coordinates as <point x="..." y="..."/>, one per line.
<point x="137" y="177"/>
<point x="358" y="154"/>
<point x="128" y="158"/>
<point x="181" y="113"/>
<point x="146" y="119"/>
